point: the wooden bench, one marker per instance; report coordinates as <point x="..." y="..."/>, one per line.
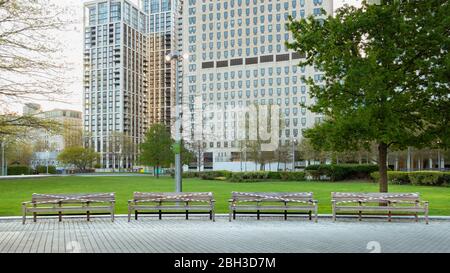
<point x="75" y="204"/>
<point x="376" y="203"/>
<point x="272" y="203"/>
<point x="172" y="203"/>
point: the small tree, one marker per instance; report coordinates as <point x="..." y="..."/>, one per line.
<point x="156" y="150"/>
<point x="80" y="157"/>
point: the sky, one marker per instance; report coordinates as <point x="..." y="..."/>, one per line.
<point x="73" y="54"/>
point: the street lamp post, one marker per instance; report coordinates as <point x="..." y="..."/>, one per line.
<point x="177" y="57"/>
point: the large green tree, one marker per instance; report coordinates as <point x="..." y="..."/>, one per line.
<point x="156" y="150"/>
<point x="386" y="76"/>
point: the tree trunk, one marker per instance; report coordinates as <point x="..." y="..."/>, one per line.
<point x="157" y="171"/>
<point x="382" y="160"/>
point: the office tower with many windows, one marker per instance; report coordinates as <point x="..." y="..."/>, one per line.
<point x="162" y="40"/>
<point x="238" y="59"/>
<point x="115" y="80"/>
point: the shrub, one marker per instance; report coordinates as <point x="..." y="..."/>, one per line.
<point x="426" y="178"/>
<point x="415" y="178"/>
<point x="274" y="175"/>
<point x="249" y="176"/>
<point x="338" y="172"/>
<point x="19" y="170"/>
<point x="445" y="179"/>
<point x="394" y="177"/>
<point x="190" y="174"/>
<point x="292" y="176"/>
<point x="43" y="169"/>
<point x="215" y="175"/>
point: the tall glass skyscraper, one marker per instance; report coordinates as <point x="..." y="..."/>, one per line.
<point x="115" y="105"/>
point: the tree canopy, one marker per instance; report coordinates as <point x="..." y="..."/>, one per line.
<point x="386" y="76"/>
<point x="80" y="157"/>
<point x="156" y="150"/>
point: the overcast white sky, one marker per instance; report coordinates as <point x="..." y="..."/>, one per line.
<point x="73" y="54"/>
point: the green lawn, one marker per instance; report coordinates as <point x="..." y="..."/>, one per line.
<point x="13" y="192"/>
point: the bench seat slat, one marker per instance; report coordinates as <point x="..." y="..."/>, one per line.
<point x="371" y="202"/>
<point x="272" y="201"/>
<point x="72" y="202"/>
<point x="162" y="202"/>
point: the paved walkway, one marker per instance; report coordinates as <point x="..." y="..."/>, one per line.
<point x="243" y="235"/>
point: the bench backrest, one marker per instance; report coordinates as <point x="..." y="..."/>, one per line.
<point x="73" y="198"/>
<point x="374" y="196"/>
<point x="272" y="196"/>
<point x="173" y="196"/>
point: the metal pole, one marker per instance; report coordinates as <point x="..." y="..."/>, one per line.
<point x="293" y="154"/>
<point x="178" y="181"/>
<point x="48" y="158"/>
<point x="3" y="158"/>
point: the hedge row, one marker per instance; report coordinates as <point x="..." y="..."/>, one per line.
<point x="25" y="170"/>
<point x="19" y="170"/>
<point x="428" y="178"/>
<point x="338" y="172"/>
<point x="246" y="176"/>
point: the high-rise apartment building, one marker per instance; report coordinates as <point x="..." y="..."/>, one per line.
<point x="163" y="39"/>
<point x="115" y="79"/>
<point x="238" y="60"/>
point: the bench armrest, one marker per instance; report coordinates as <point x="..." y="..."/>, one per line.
<point x="231" y="200"/>
<point x="26" y="203"/>
<point x="315" y="201"/>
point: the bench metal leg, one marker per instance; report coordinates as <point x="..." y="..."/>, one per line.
<point x="315" y="214"/>
<point x="360" y="215"/>
<point x="285" y="215"/>
<point x="24" y="215"/>
<point x="210" y="215"/>
<point x="187" y="215"/>
<point x="135" y="215"/>
<point x="234" y="215"/>
<point x="310" y="215"/>
<point x="230" y="215"/>
<point x="213" y="215"/>
<point x="129" y="215"/>
<point x="160" y="215"/>
<point x="417" y="218"/>
<point x="88" y="216"/>
<point x="34" y="217"/>
<point x="112" y="214"/>
<point x="389" y="216"/>
<point x="257" y="215"/>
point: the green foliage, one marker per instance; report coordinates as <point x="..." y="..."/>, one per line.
<point x="249" y="176"/>
<point x="79" y="157"/>
<point x="215" y="175"/>
<point x="19" y="170"/>
<point x="43" y="169"/>
<point x="293" y="176"/>
<point x="422" y="178"/>
<point x="385" y="76"/>
<point x="394" y="177"/>
<point x="338" y="172"/>
<point x="425" y="178"/>
<point x="156" y="150"/>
